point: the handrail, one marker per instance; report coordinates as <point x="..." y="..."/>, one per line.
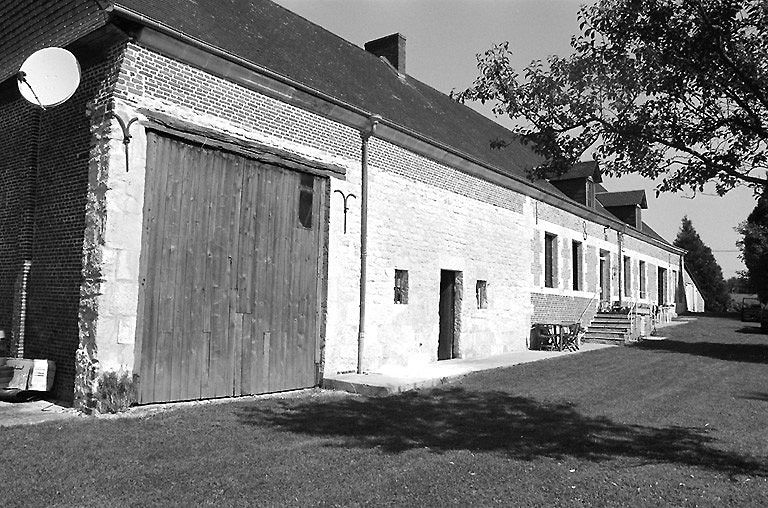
<point x="632" y="309"/>
<point x="588" y="304"/>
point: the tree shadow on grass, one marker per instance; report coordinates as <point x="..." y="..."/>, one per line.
<point x="751" y="330"/>
<point x="735" y="352"/>
<point x="755" y="396"/>
<point x="523" y="428"/>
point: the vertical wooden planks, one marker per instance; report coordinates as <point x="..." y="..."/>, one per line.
<point x="261" y="333"/>
<point x="154" y="211"/>
<point x="282" y="200"/>
<point x="218" y="289"/>
<point x="316" y="306"/>
<point x="232" y="290"/>
<point x="195" y="342"/>
<point x="168" y="267"/>
<point x="208" y="360"/>
<point x="234" y="343"/>
<point x="245" y="276"/>
<point x="180" y="289"/>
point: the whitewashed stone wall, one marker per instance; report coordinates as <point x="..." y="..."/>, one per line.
<point x="118" y="302"/>
<point x="424" y="229"/>
<point x="423" y="217"/>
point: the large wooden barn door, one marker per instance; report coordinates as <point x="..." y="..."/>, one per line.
<point x="231" y="293"/>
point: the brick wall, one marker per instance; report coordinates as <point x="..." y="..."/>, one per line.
<point x="17" y="144"/>
<point x="62" y="151"/>
<point x="552" y="308"/>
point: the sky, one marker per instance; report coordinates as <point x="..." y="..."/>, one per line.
<point x="443" y="38"/>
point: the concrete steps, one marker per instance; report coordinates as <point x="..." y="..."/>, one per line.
<point x="608" y="329"/>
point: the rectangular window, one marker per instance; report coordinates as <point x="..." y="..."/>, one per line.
<point x="481" y="291"/>
<point x="627" y="277"/>
<point x="576" y="264"/>
<point x="401" y="286"/>
<point x="306" y="196"/>
<point x="550" y="260"/>
<point x="674" y="286"/>
<point x="641" y="276"/>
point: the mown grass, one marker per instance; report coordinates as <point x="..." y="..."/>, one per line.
<point x="682" y="421"/>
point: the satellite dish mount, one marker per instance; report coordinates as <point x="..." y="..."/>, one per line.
<point x="49" y="77"/>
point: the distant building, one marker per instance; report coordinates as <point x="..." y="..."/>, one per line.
<point x="693" y="301"/>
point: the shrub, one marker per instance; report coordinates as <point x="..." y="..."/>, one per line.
<point x="115" y="392"/>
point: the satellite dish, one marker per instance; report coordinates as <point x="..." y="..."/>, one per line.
<point x="49" y="77"/>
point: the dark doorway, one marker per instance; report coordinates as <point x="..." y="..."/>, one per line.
<point x="450" y="297"/>
<point x="605" y="276"/>
<point x="662" y="285"/>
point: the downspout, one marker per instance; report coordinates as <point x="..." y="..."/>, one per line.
<point x="364" y="136"/>
<point x="619" y="241"/>
<point x="26" y="233"/>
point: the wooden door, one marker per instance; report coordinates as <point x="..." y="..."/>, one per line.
<point x="231" y="292"/>
<point x="605" y="276"/>
<point x="662" y="286"/>
<point x="447" y="313"/>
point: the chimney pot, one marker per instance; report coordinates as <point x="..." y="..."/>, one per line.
<point x="391" y="47"/>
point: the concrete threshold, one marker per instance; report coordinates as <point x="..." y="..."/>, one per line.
<point x="33" y="412"/>
<point x="400" y="379"/>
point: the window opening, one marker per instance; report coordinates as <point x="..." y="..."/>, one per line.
<point x="674" y="286"/>
<point x="481" y="292"/>
<point x="576" y="265"/>
<point x="306" y="196"/>
<point x="627" y="277"/>
<point x="641" y="276"/>
<point x="550" y="261"/>
<point x="401" y="286"/>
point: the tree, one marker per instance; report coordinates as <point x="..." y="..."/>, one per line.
<point x="739" y="284"/>
<point x="701" y="263"/>
<point x="669" y="89"/>
<point x="754" y="247"/>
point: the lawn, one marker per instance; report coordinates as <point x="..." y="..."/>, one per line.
<point x="683" y="421"/>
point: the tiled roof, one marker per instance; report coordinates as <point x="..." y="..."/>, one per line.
<point x="622" y="198"/>
<point x="28" y="26"/>
<point x="277" y="39"/>
<point x="653" y="234"/>
<point x="584" y="169"/>
<point x="273" y="37"/>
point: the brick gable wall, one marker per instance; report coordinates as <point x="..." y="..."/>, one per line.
<point x="16" y="168"/>
<point x="57" y="163"/>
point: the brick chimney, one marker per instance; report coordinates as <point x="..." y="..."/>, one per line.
<point x="391" y="47"/>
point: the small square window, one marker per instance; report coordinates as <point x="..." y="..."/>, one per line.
<point x="401" y="286"/>
<point x="481" y="292"/>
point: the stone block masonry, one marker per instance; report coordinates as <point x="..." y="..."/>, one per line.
<point x="562" y="303"/>
<point x="419" y="209"/>
<point x="424" y="217"/>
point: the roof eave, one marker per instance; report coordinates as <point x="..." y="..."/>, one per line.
<point x="360" y="120"/>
